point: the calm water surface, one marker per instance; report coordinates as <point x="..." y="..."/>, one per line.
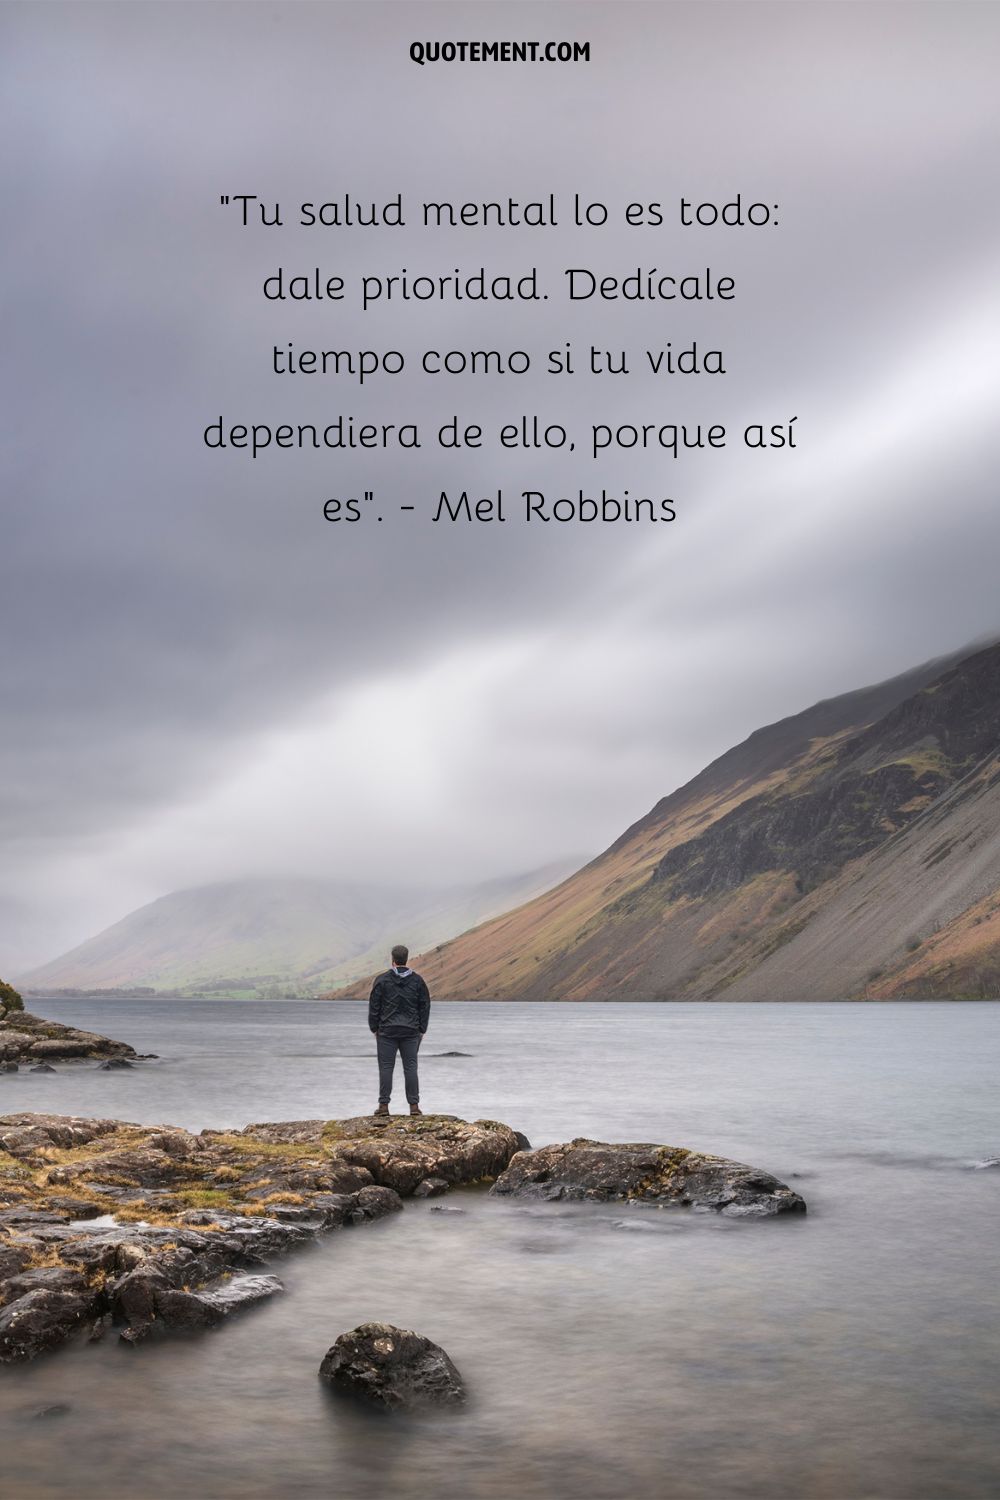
<point x="852" y="1355"/>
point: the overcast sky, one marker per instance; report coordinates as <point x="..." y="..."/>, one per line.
<point x="203" y="679"/>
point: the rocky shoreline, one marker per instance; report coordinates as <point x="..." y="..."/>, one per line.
<point x="148" y="1228"/>
<point x="29" y="1041"/>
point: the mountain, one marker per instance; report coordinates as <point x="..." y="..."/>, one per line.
<point x="267" y="937"/>
<point x="852" y="850"/>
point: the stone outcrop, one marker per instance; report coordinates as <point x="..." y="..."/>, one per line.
<point x="154" y="1227"/>
<point x="643" y="1173"/>
<point x="392" y="1367"/>
<point x="151" y="1227"/>
<point x="27" y="1039"/>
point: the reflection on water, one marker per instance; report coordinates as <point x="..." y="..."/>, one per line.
<point x="852" y="1355"/>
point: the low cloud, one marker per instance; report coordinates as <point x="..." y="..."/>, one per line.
<point x="200" y="678"/>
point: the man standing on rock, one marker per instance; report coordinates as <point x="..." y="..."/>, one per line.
<point x="399" y="1008"/>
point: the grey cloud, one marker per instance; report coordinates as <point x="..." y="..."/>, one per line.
<point x="164" y="608"/>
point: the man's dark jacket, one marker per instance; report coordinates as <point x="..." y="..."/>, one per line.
<point x="399" y="1004"/>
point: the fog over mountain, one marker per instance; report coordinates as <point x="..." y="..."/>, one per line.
<point x="202" y="682"/>
<point x="851" y="851"/>
<point x="267" y="938"/>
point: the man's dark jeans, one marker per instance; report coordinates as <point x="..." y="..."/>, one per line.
<point x="408" y="1047"/>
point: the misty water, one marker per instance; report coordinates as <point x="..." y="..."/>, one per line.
<point x="850" y="1355"/>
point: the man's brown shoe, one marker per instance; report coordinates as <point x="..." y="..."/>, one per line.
<point x="383" y="1109"/>
<point x="415" y="1109"/>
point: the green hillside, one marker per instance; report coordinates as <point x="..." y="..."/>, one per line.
<point x="273" y="937"/>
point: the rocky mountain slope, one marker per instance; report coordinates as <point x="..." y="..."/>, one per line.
<point x="267" y="937"/>
<point x="852" y="850"/>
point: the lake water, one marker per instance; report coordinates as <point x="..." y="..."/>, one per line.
<point x="850" y="1355"/>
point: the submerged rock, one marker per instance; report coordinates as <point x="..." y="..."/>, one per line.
<point x="644" y="1173"/>
<point x="431" y="1187"/>
<point x="392" y="1367"/>
<point x="57" y="1409"/>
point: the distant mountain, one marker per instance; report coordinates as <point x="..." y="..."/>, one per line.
<point x="271" y="937"/>
<point x="852" y="850"/>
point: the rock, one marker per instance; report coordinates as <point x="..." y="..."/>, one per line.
<point x="113" y="1063"/>
<point x="440" y="1208"/>
<point x="646" y="1173"/>
<point x="407" y="1150"/>
<point x="335" y="1208"/>
<point x="99" y="1328"/>
<point x="8" y="1066"/>
<point x="134" y="1294"/>
<point x="63" y="1047"/>
<point x="431" y="1187"/>
<point x="56" y="1278"/>
<point x="137" y="1334"/>
<point x="392" y="1367"/>
<point x="57" y="1409"/>
<point x="186" y="1310"/>
<point x="77" y="1208"/>
<point x="283" y="1132"/>
<point x="142" y="1167"/>
<point x="23" y="1036"/>
<point x="29" y="1132"/>
<point x="21" y="1214"/>
<point x="240" y="1292"/>
<point x="40" y="1320"/>
<point x="147" y="1300"/>
<point x="374" y="1203"/>
<point x="44" y="1067"/>
<point x="23" y="1143"/>
<point x="13" y="1043"/>
<point x="179" y="1143"/>
<point x="13" y="1259"/>
<point x="634" y="1225"/>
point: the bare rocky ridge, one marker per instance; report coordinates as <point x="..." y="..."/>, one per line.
<point x="150" y="1228"/>
<point x="852" y="851"/>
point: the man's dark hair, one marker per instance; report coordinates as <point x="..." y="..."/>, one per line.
<point x="400" y="953"/>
